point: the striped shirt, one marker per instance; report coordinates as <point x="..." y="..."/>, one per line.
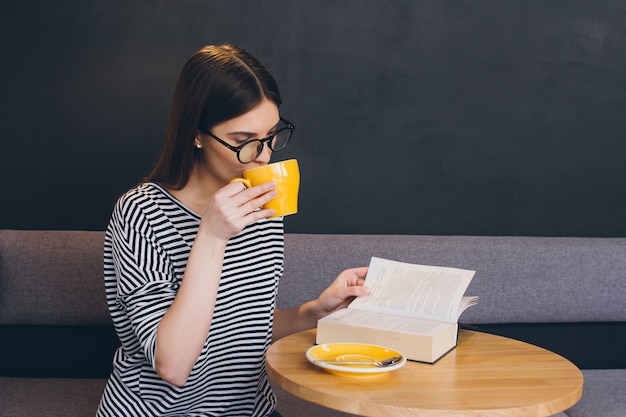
<point x="147" y="245"/>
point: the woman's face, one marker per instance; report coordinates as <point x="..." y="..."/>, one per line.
<point x="222" y="163"/>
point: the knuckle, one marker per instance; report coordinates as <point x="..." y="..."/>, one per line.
<point x="252" y="205"/>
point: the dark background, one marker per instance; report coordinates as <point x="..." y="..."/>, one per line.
<point x="413" y="117"/>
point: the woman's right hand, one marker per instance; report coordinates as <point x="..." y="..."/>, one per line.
<point x="234" y="206"/>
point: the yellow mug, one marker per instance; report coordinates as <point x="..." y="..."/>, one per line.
<point x="286" y="175"/>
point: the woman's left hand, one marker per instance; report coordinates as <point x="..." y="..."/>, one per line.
<point x="347" y="286"/>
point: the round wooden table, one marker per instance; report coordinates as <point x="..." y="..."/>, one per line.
<point x="485" y="375"/>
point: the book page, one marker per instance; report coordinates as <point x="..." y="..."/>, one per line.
<point x="411" y="290"/>
<point x="381" y="321"/>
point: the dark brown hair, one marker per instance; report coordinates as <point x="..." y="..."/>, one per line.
<point x="216" y="84"/>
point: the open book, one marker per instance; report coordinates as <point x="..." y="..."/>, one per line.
<point x="410" y="308"/>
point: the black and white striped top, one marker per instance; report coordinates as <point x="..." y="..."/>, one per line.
<point x="146" y="249"/>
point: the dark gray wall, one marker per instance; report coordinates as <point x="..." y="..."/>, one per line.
<point x="413" y="117"/>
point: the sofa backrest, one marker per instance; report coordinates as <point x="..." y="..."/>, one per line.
<point x="52" y="277"/>
<point x="55" y="277"/>
<point x="518" y="279"/>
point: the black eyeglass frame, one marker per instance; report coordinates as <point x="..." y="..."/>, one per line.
<point x="268" y="139"/>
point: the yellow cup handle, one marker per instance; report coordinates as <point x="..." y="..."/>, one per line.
<point x="243" y="181"/>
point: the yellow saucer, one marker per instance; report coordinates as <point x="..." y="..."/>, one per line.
<point x="352" y="352"/>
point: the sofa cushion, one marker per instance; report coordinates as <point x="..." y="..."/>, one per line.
<point x="54" y="397"/>
<point x="604" y="394"/>
<point x="291" y="406"/>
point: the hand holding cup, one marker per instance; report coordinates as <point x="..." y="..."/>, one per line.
<point x="286" y="176"/>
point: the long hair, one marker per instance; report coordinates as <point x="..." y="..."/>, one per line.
<point x="216" y="84"/>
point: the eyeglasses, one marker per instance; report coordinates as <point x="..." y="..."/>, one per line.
<point x="251" y="149"/>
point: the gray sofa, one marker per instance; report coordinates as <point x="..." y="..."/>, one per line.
<point x="565" y="294"/>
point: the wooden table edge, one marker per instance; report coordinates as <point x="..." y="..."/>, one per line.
<point x="365" y="408"/>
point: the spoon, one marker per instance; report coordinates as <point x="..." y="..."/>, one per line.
<point x="381" y="364"/>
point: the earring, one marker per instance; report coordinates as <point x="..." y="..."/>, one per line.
<point x="198" y="146"/>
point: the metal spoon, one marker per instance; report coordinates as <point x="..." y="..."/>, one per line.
<point x="381" y="364"/>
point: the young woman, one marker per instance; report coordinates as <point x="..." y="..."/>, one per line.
<point x="191" y="262"/>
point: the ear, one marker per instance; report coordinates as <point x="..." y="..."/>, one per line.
<point x="197" y="142"/>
